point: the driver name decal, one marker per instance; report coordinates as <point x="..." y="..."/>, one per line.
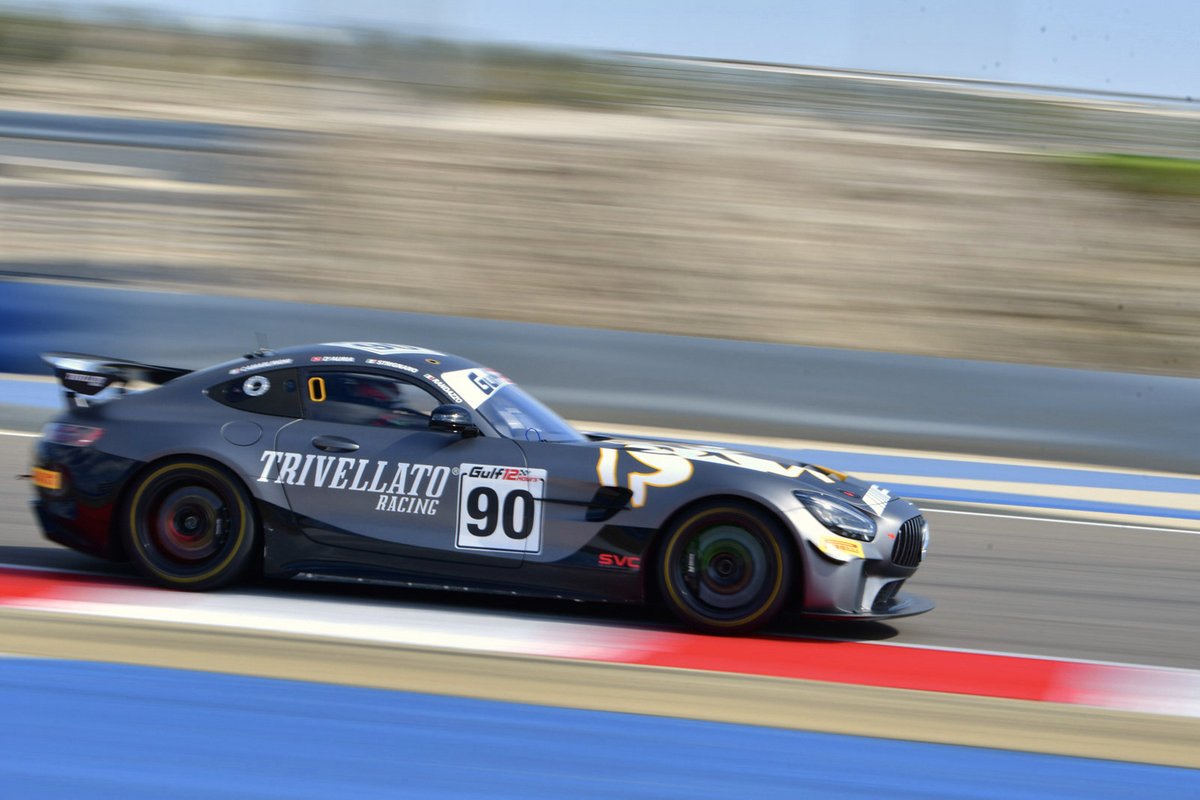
<point x="398" y="486"/>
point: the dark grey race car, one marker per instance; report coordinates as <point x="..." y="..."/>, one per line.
<point x="400" y="465"/>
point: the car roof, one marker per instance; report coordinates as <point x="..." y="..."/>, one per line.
<point x="398" y="359"/>
<point x="420" y="364"/>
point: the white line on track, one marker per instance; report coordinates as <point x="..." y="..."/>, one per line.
<point x="1024" y="518"/>
<point x="23" y="434"/>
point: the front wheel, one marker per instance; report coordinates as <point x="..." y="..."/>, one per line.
<point x="190" y="525"/>
<point x="725" y="568"/>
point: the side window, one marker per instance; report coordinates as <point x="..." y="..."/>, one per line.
<point x="275" y="392"/>
<point x="360" y="398"/>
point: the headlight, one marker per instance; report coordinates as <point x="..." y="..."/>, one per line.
<point x="838" y="517"/>
<point x="924" y="538"/>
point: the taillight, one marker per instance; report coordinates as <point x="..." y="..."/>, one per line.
<point x="74" y="435"/>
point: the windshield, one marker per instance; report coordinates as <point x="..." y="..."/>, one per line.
<point x="518" y="415"/>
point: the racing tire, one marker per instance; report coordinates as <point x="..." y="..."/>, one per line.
<point x="725" y="568"/>
<point x="191" y="525"/>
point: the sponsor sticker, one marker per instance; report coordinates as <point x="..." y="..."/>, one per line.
<point x="662" y="469"/>
<point x="500" y="508"/>
<point x="729" y="458"/>
<point x="397" y="487"/>
<point x="255" y="366"/>
<point x="380" y="362"/>
<point x="441" y="384"/>
<point x="332" y="359"/>
<point x="841" y="549"/>
<point x="476" y="384"/>
<point x="619" y="561"/>
<point x="47" y="479"/>
<point x="86" y="378"/>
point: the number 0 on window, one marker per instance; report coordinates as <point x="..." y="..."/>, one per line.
<point x="500" y="508"/>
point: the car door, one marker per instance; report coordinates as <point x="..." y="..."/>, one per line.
<point x="585" y="507"/>
<point x="363" y="471"/>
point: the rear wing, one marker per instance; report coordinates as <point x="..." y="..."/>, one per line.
<point x="86" y="375"/>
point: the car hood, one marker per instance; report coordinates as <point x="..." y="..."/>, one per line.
<point x="809" y="477"/>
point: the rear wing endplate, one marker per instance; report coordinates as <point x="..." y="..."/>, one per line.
<point x="86" y="375"/>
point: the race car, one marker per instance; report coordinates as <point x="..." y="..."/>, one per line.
<point x="401" y="465"/>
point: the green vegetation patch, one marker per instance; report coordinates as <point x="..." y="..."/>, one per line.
<point x="1153" y="175"/>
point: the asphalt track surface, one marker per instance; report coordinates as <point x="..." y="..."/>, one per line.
<point x="1003" y="584"/>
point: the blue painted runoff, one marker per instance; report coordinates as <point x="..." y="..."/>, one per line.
<point x="37" y="394"/>
<point x="79" y="729"/>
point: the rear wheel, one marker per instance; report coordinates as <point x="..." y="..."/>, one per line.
<point x="725" y="568"/>
<point x="190" y="525"/>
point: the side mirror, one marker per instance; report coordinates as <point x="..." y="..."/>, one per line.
<point x="453" y="419"/>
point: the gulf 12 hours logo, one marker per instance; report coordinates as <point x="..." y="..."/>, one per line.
<point x="500" y="508"/>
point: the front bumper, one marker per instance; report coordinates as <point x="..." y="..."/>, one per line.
<point x="902" y="604"/>
<point x="861" y="580"/>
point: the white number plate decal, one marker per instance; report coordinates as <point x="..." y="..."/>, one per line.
<point x="500" y="508"/>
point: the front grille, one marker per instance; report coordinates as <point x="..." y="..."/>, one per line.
<point x="907" y="550"/>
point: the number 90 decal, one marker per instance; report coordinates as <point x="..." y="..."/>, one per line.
<point x="500" y="508"/>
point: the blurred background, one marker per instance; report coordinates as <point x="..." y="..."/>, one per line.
<point x="1013" y="181"/>
<point x="1016" y="182"/>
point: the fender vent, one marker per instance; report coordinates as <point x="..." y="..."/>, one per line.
<point x="907" y="550"/>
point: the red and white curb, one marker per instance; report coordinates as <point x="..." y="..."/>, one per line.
<point x="1124" y="687"/>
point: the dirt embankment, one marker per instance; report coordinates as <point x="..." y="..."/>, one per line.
<point x="775" y="227"/>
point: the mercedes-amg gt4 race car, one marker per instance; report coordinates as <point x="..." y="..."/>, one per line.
<point x="399" y="465"/>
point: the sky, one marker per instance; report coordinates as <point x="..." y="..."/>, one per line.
<point x="1149" y="47"/>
